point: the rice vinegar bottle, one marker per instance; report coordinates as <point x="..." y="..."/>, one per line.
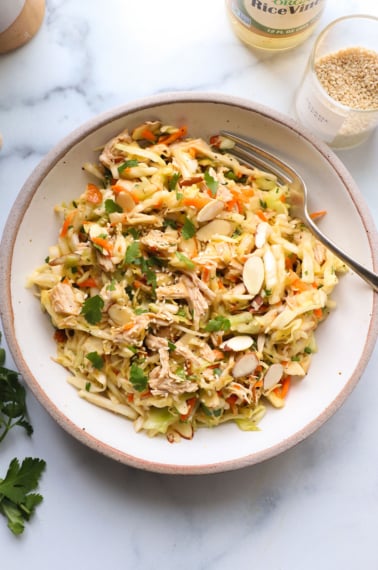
<point x="274" y="24"/>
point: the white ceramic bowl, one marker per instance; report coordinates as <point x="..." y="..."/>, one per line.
<point x="345" y="340"/>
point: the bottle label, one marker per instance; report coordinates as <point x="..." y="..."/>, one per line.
<point x="277" y="18"/>
<point x="9" y="12"/>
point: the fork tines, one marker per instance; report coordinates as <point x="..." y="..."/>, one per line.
<point x="247" y="151"/>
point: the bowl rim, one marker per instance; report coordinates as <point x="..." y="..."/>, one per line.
<point x="30" y="187"/>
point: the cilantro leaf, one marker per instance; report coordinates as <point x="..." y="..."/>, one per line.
<point x="17" y="502"/>
<point x="138" y="378"/>
<point x="173" y="181"/>
<point x="111" y="206"/>
<point x="12" y="403"/>
<point x="188" y="229"/>
<point x="92" y="309"/>
<point x="219" y="323"/>
<point x="188" y="262"/>
<point x="132" y="252"/>
<point x="127" y="164"/>
<point x="171" y="346"/>
<point x="211" y="183"/>
<point x="95" y="359"/>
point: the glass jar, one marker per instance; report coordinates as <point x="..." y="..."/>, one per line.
<point x="337" y="99"/>
<point x="274" y="24"/>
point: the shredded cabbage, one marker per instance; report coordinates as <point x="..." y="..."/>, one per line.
<point x="154" y="317"/>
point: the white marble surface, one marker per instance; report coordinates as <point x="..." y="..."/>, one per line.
<point x="316" y="506"/>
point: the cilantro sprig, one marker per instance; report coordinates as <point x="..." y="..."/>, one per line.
<point x="12" y="403"/>
<point x="18" y="500"/>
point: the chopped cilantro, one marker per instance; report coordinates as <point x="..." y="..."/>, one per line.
<point x="171" y="346"/>
<point x="181" y="257"/>
<point x="173" y="181"/>
<point x="111" y="206"/>
<point x="132" y="252"/>
<point x="219" y="323"/>
<point x="308" y="350"/>
<point x="95" y="359"/>
<point x="92" y="309"/>
<point x="211" y="183"/>
<point x="88" y="386"/>
<point x="138" y="378"/>
<point x="170" y="223"/>
<point x="127" y="164"/>
<point x="188" y="229"/>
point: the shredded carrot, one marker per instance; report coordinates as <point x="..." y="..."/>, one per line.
<point x="93" y="194"/>
<point x="318" y="313"/>
<point x="181" y="132"/>
<point x="117" y="188"/>
<point x="138" y="284"/>
<point x="148" y="135"/>
<point x="128" y="326"/>
<point x="231" y="400"/>
<point x="90" y="282"/>
<point x="300" y="285"/>
<point x="191" y="403"/>
<point x="318" y="214"/>
<point x="205" y="274"/>
<point x="283" y="198"/>
<point x="197" y="202"/>
<point x="218" y="354"/>
<point x="103" y="243"/>
<point x="130" y="398"/>
<point x="261" y="215"/>
<point x="282" y="390"/>
<point x="290" y="260"/>
<point x="67" y="223"/>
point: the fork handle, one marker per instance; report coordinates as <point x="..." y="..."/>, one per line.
<point x="368" y="276"/>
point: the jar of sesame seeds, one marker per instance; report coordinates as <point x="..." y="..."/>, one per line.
<point x="338" y="97"/>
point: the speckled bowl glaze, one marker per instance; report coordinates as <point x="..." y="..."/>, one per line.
<point x="345" y="340"/>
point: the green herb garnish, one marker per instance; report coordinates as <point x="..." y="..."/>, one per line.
<point x="211" y="183"/>
<point x="17" y="502"/>
<point x="95" y="359"/>
<point x="127" y="164"/>
<point x="92" y="309"/>
<point x="219" y="323"/>
<point x="111" y="206"/>
<point x="138" y="378"/>
<point x="173" y="181"/>
<point x="181" y="257"/>
<point x="188" y="229"/>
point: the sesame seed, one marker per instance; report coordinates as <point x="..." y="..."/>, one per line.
<point x="350" y="76"/>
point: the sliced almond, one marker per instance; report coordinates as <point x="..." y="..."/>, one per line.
<point x="221" y="227"/>
<point x="253" y="274"/>
<point x="185" y="430"/>
<point x="188" y="246"/>
<point x="237" y="343"/>
<point x="126" y="202"/>
<point x="261" y="234"/>
<point x="245" y="365"/>
<point x="210" y="211"/>
<point x="273" y="376"/>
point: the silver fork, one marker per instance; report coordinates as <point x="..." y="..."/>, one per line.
<point x="246" y="151"/>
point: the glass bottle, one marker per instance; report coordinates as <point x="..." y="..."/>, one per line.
<point x="274" y="24"/>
